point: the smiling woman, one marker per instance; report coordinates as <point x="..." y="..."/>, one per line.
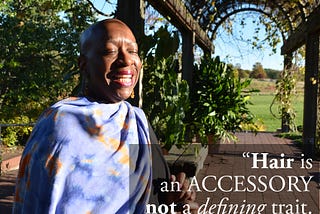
<point x="110" y="68"/>
<point x="92" y="153"/>
<point x="86" y="151"/>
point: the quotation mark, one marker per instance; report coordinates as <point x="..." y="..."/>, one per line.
<point x="246" y="154"/>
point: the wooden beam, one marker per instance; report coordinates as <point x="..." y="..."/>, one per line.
<point x="178" y="15"/>
<point x="299" y="36"/>
<point x="311" y="94"/>
<point x="188" y="39"/>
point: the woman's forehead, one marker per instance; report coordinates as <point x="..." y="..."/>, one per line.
<point x="109" y="31"/>
<point x="116" y="30"/>
<point x="118" y="40"/>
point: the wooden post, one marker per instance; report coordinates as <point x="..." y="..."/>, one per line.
<point x="132" y="13"/>
<point x="188" y="41"/>
<point x="285" y="126"/>
<point x="311" y="93"/>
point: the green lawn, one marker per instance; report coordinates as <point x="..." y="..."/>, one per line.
<point x="261" y="108"/>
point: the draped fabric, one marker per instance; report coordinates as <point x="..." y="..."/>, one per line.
<point x="86" y="157"/>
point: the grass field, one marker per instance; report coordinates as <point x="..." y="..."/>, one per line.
<point x="262" y="101"/>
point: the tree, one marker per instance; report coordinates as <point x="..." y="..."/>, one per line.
<point x="39" y="42"/>
<point x="272" y="74"/>
<point x="244" y="73"/>
<point x="258" y="71"/>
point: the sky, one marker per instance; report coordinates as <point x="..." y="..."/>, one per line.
<point x="230" y="48"/>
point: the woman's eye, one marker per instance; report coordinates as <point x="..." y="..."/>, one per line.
<point x="133" y="51"/>
<point x="110" y="52"/>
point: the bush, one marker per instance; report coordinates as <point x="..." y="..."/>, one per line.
<point x="38" y="61"/>
<point x="17" y="131"/>
<point x="218" y="101"/>
<point x="165" y="101"/>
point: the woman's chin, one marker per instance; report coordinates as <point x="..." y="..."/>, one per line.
<point x="124" y="94"/>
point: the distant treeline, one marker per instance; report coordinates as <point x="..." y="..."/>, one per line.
<point x="266" y="73"/>
<point x="258" y="72"/>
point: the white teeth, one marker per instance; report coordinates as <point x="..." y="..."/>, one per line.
<point x="124" y="76"/>
<point x="126" y="80"/>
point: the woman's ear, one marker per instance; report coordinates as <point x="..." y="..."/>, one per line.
<point x="82" y="63"/>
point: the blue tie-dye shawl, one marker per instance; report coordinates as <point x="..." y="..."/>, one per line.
<point x="86" y="157"/>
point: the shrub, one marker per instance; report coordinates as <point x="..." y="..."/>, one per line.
<point x="218" y="101"/>
<point x="17" y="131"/>
<point x="165" y="101"/>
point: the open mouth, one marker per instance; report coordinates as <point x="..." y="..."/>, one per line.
<point x="123" y="78"/>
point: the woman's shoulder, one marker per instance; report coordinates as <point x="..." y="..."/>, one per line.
<point x="68" y="106"/>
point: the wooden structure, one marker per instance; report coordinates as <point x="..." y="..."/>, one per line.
<point x="298" y="22"/>
<point x="308" y="34"/>
<point x="191" y="32"/>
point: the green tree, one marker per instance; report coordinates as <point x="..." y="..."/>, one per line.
<point x="258" y="71"/>
<point x="272" y="74"/>
<point x="243" y="73"/>
<point x="39" y="42"/>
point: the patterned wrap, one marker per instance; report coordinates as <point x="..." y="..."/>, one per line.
<point x="86" y="157"/>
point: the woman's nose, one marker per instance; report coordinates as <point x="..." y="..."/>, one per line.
<point x="125" y="57"/>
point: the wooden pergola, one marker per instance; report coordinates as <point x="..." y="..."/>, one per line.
<point x="132" y="12"/>
<point x="298" y="22"/>
<point x="307" y="33"/>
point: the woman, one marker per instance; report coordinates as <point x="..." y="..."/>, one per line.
<point x="92" y="154"/>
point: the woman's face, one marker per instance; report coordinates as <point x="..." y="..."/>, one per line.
<point x="111" y="62"/>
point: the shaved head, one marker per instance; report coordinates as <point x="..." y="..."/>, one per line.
<point x="94" y="33"/>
